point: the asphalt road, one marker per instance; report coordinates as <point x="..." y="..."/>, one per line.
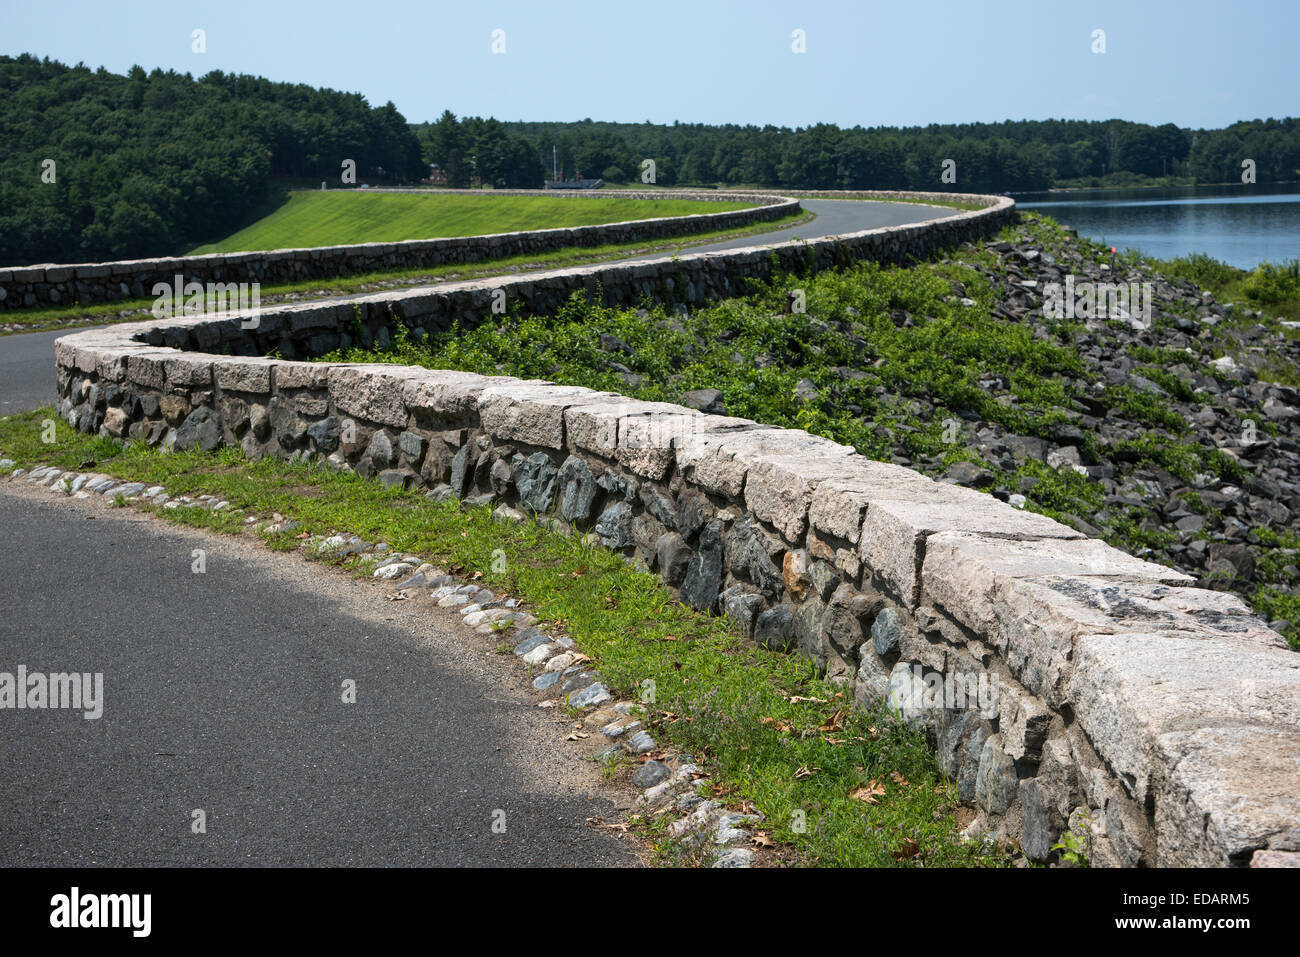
<point x="27" y="361"/>
<point x="222" y="692"/>
<point x="27" y="370"/>
<point x="834" y="218"/>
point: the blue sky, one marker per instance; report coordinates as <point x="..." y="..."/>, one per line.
<point x="1192" y="62"/>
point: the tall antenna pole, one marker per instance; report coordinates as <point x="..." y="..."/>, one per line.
<point x="555" y="168"/>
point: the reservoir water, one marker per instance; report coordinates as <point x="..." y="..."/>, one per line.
<point x="1240" y="225"/>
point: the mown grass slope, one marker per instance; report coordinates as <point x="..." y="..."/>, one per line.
<point x="337" y="217"/>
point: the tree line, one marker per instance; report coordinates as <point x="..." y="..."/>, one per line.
<point x="97" y="165"/>
<point x="1012" y="156"/>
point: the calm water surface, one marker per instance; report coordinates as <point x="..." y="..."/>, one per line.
<point x="1241" y="225"/>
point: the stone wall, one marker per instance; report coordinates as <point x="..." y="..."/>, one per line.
<point x="1168" y="714"/>
<point x="62" y="284"/>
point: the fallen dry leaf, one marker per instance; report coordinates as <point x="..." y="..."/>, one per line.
<point x="777" y="723"/>
<point x="761" y="840"/>
<point x="834" y="723"/>
<point x="898" y="778"/>
<point x="806" y="771"/>
<point x="909" y="848"/>
<point x="868" y="793"/>
<point x="797" y="698"/>
<point x="577" y="735"/>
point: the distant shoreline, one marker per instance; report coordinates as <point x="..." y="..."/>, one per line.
<point x="1097" y="189"/>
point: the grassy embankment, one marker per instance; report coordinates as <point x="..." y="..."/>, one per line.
<point x="339" y="217"/>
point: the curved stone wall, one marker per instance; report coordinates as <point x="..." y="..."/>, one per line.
<point x="62" y="284"/>
<point x="1059" y="679"/>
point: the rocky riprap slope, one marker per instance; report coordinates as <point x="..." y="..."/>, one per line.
<point x="1192" y="379"/>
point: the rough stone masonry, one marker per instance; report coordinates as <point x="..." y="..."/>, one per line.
<point x="1167" y="715"/>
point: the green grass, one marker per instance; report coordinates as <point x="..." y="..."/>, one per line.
<point x="339" y="217"/>
<point x="763" y="723"/>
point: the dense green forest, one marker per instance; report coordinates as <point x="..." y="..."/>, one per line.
<point x="151" y="163"/>
<point x="990" y="157"/>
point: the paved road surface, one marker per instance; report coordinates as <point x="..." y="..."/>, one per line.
<point x="222" y="692"/>
<point x="27" y="361"/>
<point x="27" y="371"/>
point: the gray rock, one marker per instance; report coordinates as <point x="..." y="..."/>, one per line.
<point x="614" y="527"/>
<point x="741" y="608"/>
<point x="199" y="430"/>
<point x="641" y="742"/>
<point x="735" y="857"/>
<point x="395" y="478"/>
<point x="704" y="573"/>
<point x="750" y="555"/>
<point x="258" y="420"/>
<point x="461" y="471"/>
<point x="708" y="401"/>
<point x="968" y="473"/>
<point x="773" y="628"/>
<point x="844" y="616"/>
<point x="886" y="632"/>
<point x="536" y="480"/>
<point x="995" y="783"/>
<point x="650" y="774"/>
<point x="577" y="679"/>
<point x="1042" y="823"/>
<point x="673" y="557"/>
<point x="593" y="694"/>
<point x="807" y="627"/>
<point x="547" y="680"/>
<point x="660" y="506"/>
<point x="380" y="450"/>
<point x="501" y="477"/>
<point x="412" y="445"/>
<point x="529" y="641"/>
<point x="578" y="490"/>
<point x="871" y="685"/>
<point x="325" y="434"/>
